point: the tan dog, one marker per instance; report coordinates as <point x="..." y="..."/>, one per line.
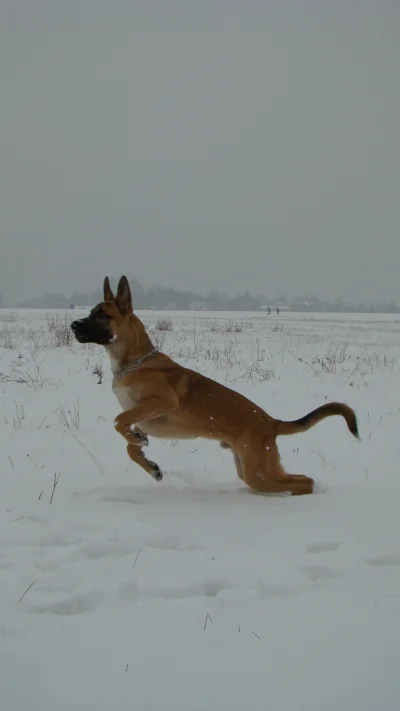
<point x="163" y="399"/>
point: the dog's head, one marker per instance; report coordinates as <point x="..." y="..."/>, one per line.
<point x="108" y="320"/>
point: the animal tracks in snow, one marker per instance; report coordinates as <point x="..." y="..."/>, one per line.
<point x="130" y="591"/>
<point x="75" y="605"/>
<point x="323" y="547"/>
<point x="317" y="572"/>
<point x="81" y="568"/>
<point x="390" y="559"/>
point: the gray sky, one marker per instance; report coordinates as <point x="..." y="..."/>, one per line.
<point x="201" y="144"/>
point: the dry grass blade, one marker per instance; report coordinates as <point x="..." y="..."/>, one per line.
<point x="56" y="480"/>
<point x="27" y="589"/>
<point x="96" y="461"/>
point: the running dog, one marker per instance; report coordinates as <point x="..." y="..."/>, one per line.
<point x="163" y="399"/>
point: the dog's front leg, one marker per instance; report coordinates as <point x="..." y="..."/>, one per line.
<point x="140" y="437"/>
<point x="147" y="410"/>
<point x="125" y="425"/>
<point x="150" y="467"/>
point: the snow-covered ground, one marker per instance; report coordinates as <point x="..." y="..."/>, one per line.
<point x="118" y="593"/>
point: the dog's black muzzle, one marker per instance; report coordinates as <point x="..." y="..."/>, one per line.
<point x="81" y="330"/>
<point x="87" y="330"/>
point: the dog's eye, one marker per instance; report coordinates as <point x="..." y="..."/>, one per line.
<point x="101" y="314"/>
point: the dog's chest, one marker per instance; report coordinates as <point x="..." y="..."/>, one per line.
<point x="125" y="397"/>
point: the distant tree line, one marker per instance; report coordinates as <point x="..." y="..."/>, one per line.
<point x="161" y="297"/>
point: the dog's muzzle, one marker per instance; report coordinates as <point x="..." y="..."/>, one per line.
<point x="77" y="326"/>
<point x="80" y="330"/>
<point x="86" y="330"/>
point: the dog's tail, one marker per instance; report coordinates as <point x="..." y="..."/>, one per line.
<point x="305" y="423"/>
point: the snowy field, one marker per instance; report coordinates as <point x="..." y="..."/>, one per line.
<point x="121" y="594"/>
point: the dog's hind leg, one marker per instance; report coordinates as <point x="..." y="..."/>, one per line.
<point x="239" y="471"/>
<point x="238" y="465"/>
<point x="263" y="472"/>
<point x="150" y="467"/>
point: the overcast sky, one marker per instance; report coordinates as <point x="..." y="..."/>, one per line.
<point x="201" y="144"/>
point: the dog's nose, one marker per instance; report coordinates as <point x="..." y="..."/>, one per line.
<point x="74" y="325"/>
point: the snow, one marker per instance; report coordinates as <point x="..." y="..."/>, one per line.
<point x="194" y="594"/>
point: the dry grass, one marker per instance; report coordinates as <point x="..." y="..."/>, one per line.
<point x="222" y="348"/>
<point x="68" y="418"/>
<point x="158" y="337"/>
<point x="164" y="324"/>
<point x="60" y="329"/>
<point x="228" y="326"/>
<point x="19" y="416"/>
<point x="56" y="333"/>
<point x="33" y="377"/>
<point x="98" y="370"/>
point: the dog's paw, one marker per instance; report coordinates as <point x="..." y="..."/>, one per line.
<point x="140" y="437"/>
<point x="156" y="472"/>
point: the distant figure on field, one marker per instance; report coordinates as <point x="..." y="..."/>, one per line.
<point x="277" y="310"/>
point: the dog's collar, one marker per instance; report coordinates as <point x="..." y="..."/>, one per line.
<point x="135" y="364"/>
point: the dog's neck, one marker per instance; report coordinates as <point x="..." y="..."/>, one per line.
<point x="123" y="351"/>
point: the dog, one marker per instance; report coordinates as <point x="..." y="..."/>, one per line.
<point x="160" y="398"/>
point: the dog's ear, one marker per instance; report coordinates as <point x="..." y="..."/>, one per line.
<point x="108" y="295"/>
<point x="124" y="297"/>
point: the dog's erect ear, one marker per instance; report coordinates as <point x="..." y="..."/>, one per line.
<point x="108" y="295"/>
<point x="124" y="298"/>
